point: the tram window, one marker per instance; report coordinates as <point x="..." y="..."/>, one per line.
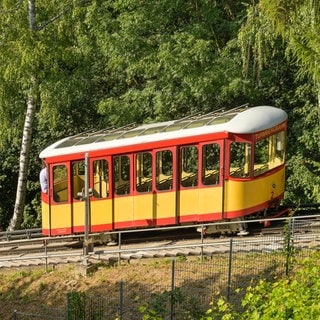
<point x="189" y="166"/>
<point x="261" y="156"/>
<point x="210" y="164"/>
<point x="144" y="172"/>
<point x="164" y="166"/>
<point x="121" y="173"/>
<point x="60" y="183"/>
<point x="100" y="179"/>
<point x="78" y="178"/>
<point x="269" y="153"/>
<point x="240" y="159"/>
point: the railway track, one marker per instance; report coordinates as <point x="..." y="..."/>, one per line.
<point x="29" y="247"/>
<point x="164" y="249"/>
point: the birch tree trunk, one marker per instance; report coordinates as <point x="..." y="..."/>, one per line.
<point x="16" y="219"/>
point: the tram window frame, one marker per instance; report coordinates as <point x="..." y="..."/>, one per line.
<point x="164" y="173"/>
<point x="121" y="169"/>
<point x="210" y="164"/>
<point x="273" y="155"/>
<point x="144" y="171"/>
<point x="78" y="178"/>
<point x="240" y="159"/>
<point x="189" y="166"/>
<point x="60" y="178"/>
<point x="280" y="146"/>
<point x="101" y="178"/>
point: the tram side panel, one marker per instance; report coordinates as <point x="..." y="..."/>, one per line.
<point x="144" y="209"/>
<point x="45" y="214"/>
<point x="244" y="197"/>
<point x="188" y="205"/>
<point x="101" y="217"/>
<point x="210" y="204"/>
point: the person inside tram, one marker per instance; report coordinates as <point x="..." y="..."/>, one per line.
<point x="44" y="178"/>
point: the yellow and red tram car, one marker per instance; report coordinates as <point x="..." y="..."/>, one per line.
<point x="216" y="167"/>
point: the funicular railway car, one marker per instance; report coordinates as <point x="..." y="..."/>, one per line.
<point x="222" y="166"/>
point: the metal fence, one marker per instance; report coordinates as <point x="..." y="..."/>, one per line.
<point x="187" y="291"/>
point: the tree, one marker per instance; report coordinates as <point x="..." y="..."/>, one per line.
<point x="35" y="48"/>
<point x="166" y="58"/>
<point x="298" y="23"/>
<point x="26" y="140"/>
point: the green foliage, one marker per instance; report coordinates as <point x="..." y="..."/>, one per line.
<point x="159" y="305"/>
<point x="81" y="307"/>
<point x="291" y="298"/>
<point x="257" y="43"/>
<point x="303" y="161"/>
<point x="164" y="57"/>
<point x="220" y="310"/>
<point x="77" y="305"/>
<point x="294" y="297"/>
<point x="8" y="178"/>
<point x="63" y="95"/>
<point x="298" y="24"/>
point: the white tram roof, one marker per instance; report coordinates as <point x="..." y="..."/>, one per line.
<point x="241" y="120"/>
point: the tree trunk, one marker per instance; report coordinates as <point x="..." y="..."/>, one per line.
<point x="32" y="15"/>
<point x="17" y="217"/>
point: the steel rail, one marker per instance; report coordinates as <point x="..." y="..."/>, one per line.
<point x="35" y="233"/>
<point x="64" y="240"/>
<point x="39" y="237"/>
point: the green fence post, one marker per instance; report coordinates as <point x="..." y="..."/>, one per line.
<point x="172" y="289"/>
<point x="288" y="245"/>
<point x="121" y="301"/>
<point x="229" y="270"/>
<point x="68" y="306"/>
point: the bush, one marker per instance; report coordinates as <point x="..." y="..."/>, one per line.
<point x="294" y="297"/>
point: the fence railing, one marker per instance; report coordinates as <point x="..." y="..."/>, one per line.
<point x="193" y="284"/>
<point x="296" y="225"/>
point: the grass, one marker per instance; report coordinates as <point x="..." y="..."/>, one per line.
<point x="32" y="290"/>
<point x="28" y="290"/>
